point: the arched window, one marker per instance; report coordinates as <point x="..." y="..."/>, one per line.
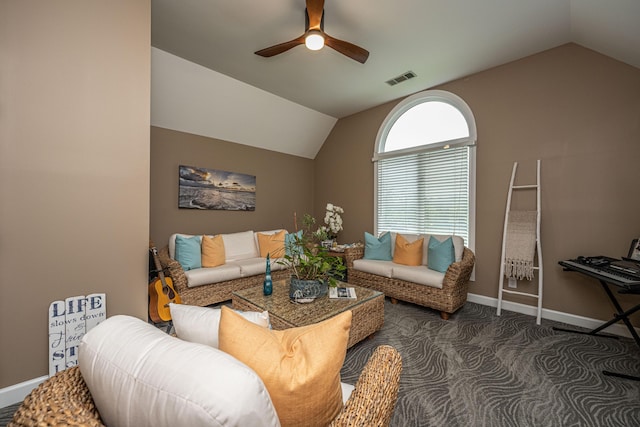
<point x="425" y="167"/>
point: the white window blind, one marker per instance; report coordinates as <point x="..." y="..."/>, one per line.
<point x="425" y="192"/>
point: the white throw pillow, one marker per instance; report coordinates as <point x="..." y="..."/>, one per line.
<point x="240" y="246"/>
<point x="201" y="324"/>
<point x="140" y="376"/>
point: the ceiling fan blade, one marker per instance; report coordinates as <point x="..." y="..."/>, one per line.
<point x="280" y="48"/>
<point x="351" y="50"/>
<point x="314" y="10"/>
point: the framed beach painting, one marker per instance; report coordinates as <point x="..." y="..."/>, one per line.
<point x="202" y="188"/>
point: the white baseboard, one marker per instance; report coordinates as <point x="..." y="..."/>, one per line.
<point x="17" y="392"/>
<point x="558" y="316"/>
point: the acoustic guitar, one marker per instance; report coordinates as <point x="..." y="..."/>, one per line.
<point x="161" y="293"/>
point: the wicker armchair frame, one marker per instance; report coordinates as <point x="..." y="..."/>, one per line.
<point x="215" y="292"/>
<point x="65" y="399"/>
<point x="447" y="300"/>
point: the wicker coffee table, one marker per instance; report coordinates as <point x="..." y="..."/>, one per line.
<point x="367" y="310"/>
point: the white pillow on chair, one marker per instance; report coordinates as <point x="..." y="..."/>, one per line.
<point x="140" y="376"/>
<point x="201" y="324"/>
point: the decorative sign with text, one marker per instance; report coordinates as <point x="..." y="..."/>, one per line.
<point x="68" y="322"/>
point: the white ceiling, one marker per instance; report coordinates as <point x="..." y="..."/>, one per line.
<point x="440" y="40"/>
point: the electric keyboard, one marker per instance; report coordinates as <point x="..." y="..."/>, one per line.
<point x="631" y="281"/>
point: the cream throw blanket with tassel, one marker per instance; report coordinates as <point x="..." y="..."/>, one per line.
<point x="520" y="245"/>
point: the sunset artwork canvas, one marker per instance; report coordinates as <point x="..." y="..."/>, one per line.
<point x="202" y="188"/>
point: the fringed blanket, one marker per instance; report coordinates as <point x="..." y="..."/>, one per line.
<point x="520" y="244"/>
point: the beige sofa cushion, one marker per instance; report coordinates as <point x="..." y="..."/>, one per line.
<point x="140" y="376"/>
<point x="418" y="274"/>
<point x="230" y="271"/>
<point x="205" y="276"/>
<point x="377" y="267"/>
<point x="253" y="266"/>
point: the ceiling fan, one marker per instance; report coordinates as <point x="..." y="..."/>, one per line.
<point x="315" y="37"/>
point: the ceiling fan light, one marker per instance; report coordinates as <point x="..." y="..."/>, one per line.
<point x="314" y="40"/>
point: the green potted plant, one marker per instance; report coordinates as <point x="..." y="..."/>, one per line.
<point x="313" y="269"/>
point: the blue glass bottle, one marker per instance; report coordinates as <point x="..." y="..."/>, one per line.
<point x="267" y="286"/>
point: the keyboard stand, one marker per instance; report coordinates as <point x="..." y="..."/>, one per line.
<point x="620" y="315"/>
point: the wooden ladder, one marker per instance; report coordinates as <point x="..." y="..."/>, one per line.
<point x="538" y="267"/>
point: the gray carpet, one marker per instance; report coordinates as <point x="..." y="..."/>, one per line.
<point x="477" y="369"/>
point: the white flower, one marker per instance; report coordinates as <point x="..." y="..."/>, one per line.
<point x="332" y="218"/>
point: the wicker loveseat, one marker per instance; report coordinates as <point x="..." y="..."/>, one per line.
<point x="65" y="399"/>
<point x="242" y="253"/>
<point x="449" y="297"/>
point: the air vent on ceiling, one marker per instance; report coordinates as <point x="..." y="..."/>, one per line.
<point x="401" y="78"/>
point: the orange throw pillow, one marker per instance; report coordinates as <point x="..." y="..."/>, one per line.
<point x="299" y="366"/>
<point x="272" y="244"/>
<point x="212" y="251"/>
<point x="408" y="253"/>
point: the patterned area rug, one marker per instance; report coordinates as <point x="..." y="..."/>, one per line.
<point x="478" y="369"/>
<point x="7" y="413"/>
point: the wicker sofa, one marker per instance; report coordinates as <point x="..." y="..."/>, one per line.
<point x="242" y="254"/>
<point x="65" y="398"/>
<point x="449" y="297"/>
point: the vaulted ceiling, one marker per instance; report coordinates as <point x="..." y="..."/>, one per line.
<point x="439" y="40"/>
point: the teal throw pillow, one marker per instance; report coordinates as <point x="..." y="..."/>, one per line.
<point x="292" y="243"/>
<point x="441" y="254"/>
<point x="188" y="252"/>
<point x="377" y="248"/>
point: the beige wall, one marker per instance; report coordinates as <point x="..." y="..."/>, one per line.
<point x="577" y="111"/>
<point x="284" y="185"/>
<point x="74" y="166"/>
<point x="344" y="171"/>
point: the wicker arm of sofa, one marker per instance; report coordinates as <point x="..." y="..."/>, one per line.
<point x="459" y="273"/>
<point x="352" y="254"/>
<point x="374" y="398"/>
<point x="63" y="399"/>
<point x="174" y="269"/>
